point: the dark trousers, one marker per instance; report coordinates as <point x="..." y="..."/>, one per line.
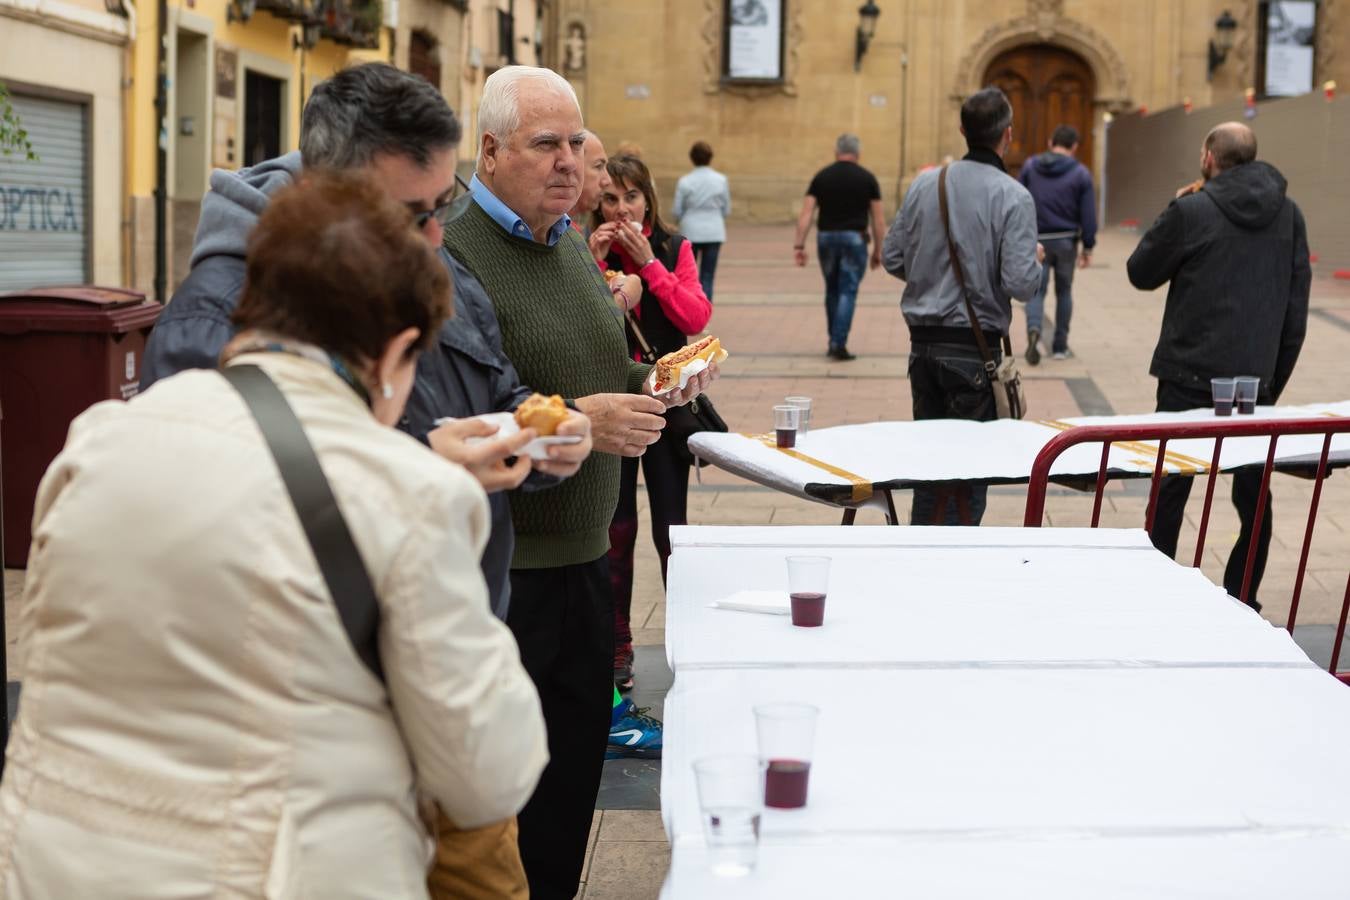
<point x="1175" y="489"/>
<point x="706" y="256"/>
<point x="564" y="625"/>
<point x="667" y="479"/>
<point x="948" y="381"/>
<point x="1061" y="255"/>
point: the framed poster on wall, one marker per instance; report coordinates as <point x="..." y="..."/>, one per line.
<point x="1288" y="31"/>
<point x="752" y="41"/>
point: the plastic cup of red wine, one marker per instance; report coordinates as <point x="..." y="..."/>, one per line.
<point x="786" y="420"/>
<point x="1247" y="388"/>
<point x="1223" y="390"/>
<point x="787" y="737"/>
<point x="808" y="583"/>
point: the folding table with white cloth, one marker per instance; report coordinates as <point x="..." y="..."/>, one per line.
<point x="855" y="466"/>
<point x="1028" y="712"/>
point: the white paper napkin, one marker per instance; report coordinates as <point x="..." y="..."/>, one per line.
<point x="774" y="603"/>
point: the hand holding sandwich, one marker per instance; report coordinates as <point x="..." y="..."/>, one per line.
<point x="635" y="244"/>
<point x="486" y="461"/>
<point x="564" y="459"/>
<point x="696" y="385"/>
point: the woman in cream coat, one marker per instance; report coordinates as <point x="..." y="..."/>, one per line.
<point x="196" y="722"/>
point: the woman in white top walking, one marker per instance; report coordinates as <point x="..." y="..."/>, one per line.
<point x="702" y="204"/>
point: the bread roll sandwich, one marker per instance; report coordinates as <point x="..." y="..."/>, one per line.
<point x="543" y="414"/>
<point x="672" y="365"/>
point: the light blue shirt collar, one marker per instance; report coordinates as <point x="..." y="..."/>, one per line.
<point x="505" y="217"/>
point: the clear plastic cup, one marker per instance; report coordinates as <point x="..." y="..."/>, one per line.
<point x="1248" y="386"/>
<point x="1223" y="390"/>
<point x="731" y="799"/>
<point x="787" y="738"/>
<point x="786" y="420"/>
<point x="804" y="404"/>
<point x="808" y="583"/>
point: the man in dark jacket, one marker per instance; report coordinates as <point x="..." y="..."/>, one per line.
<point x="399" y="129"/>
<point x="1235" y="250"/>
<point x="1065" y="213"/>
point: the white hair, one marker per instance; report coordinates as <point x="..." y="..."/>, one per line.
<point x="499" y="110"/>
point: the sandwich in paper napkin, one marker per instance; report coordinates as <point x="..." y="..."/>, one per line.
<point x="674" y="370"/>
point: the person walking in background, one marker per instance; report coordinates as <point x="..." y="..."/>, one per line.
<point x="673" y="307"/>
<point x="702" y="204"/>
<point x="993" y="227"/>
<point x="1234" y="248"/>
<point x="210" y="725"/>
<point x="849" y="200"/>
<point x="1066" y="212"/>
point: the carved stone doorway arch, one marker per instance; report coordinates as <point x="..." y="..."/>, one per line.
<point x="1045" y="23"/>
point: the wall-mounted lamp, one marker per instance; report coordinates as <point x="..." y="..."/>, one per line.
<point x="867" y="29"/>
<point x="1225" y="33"/>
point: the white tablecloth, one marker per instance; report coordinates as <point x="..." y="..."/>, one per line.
<point x="1177" y="867"/>
<point x="1047" y="752"/>
<point x="884" y="455"/>
<point x="1114" y="728"/>
<point x="943" y="597"/>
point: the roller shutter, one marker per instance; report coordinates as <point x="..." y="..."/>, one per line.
<point x="44" y="223"/>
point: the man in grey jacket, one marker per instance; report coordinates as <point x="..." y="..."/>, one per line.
<point x="993" y="222"/>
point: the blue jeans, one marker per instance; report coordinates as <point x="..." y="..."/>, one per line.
<point x="706" y="255"/>
<point x="843" y="262"/>
<point x="948" y="381"/>
<point x="1060" y="255"/>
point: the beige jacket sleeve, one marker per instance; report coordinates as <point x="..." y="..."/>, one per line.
<point x="467" y="708"/>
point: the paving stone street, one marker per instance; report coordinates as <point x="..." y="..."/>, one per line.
<point x="769" y="315"/>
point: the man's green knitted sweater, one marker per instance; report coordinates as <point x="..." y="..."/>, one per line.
<point x="562" y="331"/>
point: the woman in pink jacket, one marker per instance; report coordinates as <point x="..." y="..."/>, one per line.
<point x="631" y="237"/>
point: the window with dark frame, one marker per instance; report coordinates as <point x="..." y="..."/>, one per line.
<point x="1286" y="55"/>
<point x="753" y="41"/>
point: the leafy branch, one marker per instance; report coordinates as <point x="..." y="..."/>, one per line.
<point x="13" y="137"/>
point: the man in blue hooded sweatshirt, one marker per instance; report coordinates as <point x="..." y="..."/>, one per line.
<point x="1065" y="213"/>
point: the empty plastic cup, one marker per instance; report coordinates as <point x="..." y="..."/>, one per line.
<point x="731" y="799"/>
<point x="804" y="404"/>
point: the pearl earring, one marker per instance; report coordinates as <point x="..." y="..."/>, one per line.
<point x="387" y="391"/>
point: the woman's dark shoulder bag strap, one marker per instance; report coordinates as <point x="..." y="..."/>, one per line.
<point x="325" y="528"/>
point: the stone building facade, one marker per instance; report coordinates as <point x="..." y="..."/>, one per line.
<point x="653" y="73"/>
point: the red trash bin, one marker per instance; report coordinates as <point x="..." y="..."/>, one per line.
<point x="62" y="349"/>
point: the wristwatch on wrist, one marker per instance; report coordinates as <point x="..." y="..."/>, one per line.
<point x="798" y="246"/>
<point x="649" y="262"/>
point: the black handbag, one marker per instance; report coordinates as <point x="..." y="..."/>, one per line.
<point x="682" y="422"/>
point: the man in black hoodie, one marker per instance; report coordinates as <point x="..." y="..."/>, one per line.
<point x="1235" y="250"/>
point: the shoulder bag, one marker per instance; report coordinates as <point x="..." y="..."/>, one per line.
<point x="325" y="528"/>
<point x="1009" y="399"/>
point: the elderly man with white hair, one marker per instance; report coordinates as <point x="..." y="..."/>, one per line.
<point x="563" y="332"/>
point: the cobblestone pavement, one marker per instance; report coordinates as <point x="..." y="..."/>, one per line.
<point x="770" y="316"/>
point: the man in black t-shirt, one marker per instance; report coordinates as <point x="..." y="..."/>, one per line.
<point x="849" y="199"/>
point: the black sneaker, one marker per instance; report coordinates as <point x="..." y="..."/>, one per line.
<point x="1033" y="347"/>
<point x="841" y="354"/>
